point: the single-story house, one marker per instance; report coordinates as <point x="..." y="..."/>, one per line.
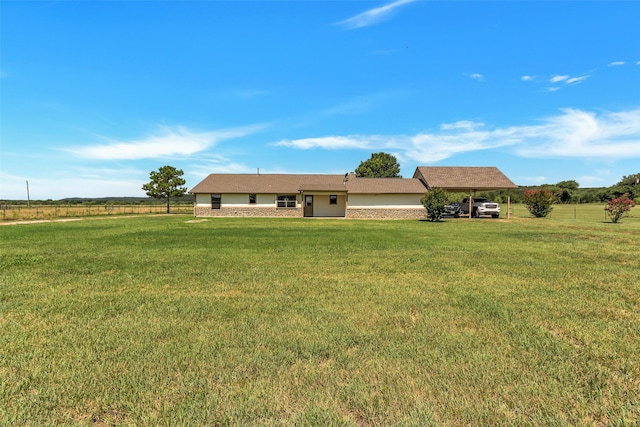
<point x="342" y="196"/>
<point x="297" y="195"/>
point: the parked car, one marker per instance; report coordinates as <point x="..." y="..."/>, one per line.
<point x="453" y="210"/>
<point x="480" y="206"/>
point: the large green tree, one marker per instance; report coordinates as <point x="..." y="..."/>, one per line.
<point x="166" y="182"/>
<point x="380" y="165"/>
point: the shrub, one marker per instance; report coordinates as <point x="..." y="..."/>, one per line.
<point x="619" y="207"/>
<point x="434" y="201"/>
<point x="539" y="202"/>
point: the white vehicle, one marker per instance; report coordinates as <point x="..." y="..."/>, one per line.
<point x="480" y="206"/>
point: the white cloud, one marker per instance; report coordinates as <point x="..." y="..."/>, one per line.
<point x="615" y="63"/>
<point x="580" y="79"/>
<point x="461" y="124"/>
<point x="476" y="76"/>
<point x="577" y="133"/>
<point x="372" y="16"/>
<point x="565" y="79"/>
<point x="558" y="78"/>
<point x="329" y="142"/>
<point x="572" y="133"/>
<point x="168" y="141"/>
<point x="527" y="78"/>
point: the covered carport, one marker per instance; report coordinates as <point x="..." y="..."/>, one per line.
<point x="466" y="179"/>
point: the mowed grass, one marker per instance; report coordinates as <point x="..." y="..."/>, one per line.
<point x="180" y="321"/>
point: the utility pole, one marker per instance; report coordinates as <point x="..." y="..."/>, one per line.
<point x="28" y="198"/>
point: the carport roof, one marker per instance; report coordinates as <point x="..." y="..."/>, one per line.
<point x="463" y="178"/>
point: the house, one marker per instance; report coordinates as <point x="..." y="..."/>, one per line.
<point x="301" y="195"/>
<point x="340" y="196"/>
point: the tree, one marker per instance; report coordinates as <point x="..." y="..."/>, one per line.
<point x="539" y="202"/>
<point x="434" y="202"/>
<point x="566" y="190"/>
<point x="619" y="207"/>
<point x="629" y="184"/>
<point x="165" y="183"/>
<point x="380" y="165"/>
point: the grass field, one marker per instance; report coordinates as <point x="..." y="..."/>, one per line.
<point x="171" y="320"/>
<point x="45" y="212"/>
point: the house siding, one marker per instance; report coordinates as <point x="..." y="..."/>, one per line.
<point x="322" y="206"/>
<point x="385" y="201"/>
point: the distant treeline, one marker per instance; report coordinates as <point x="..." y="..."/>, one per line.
<point x="565" y="192"/>
<point x="570" y="192"/>
<point x="143" y="201"/>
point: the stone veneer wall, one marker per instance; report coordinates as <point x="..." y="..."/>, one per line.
<point x="352" y="213"/>
<point x="249" y="212"/>
<point x="355" y="213"/>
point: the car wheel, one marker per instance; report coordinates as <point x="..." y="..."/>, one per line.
<point x="495" y="216"/>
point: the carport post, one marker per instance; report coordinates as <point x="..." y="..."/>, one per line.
<point x="470" y="203"/>
<point x="508" y="204"/>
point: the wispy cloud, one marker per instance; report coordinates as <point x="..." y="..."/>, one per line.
<point x="476" y="76"/>
<point x="577" y="133"/>
<point x="167" y="141"/>
<point x="527" y="78"/>
<point x="558" y="78"/>
<point x="615" y="63"/>
<point x="332" y="142"/>
<point x="461" y="124"/>
<point x="372" y="16"/>
<point x="572" y="133"/>
<point x="576" y="79"/>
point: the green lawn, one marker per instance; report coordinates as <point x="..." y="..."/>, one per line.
<point x="179" y="321"/>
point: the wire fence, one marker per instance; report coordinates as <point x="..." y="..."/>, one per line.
<point x="39" y="212"/>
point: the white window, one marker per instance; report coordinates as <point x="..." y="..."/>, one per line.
<point x="287" y="201"/>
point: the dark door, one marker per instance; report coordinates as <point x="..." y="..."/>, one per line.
<point x="308" y="205"/>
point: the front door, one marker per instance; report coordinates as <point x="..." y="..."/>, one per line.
<point x="308" y="205"/>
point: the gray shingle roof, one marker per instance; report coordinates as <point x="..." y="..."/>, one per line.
<point x="293" y="183"/>
<point x="266" y="183"/>
<point x="464" y="178"/>
<point x="385" y="186"/>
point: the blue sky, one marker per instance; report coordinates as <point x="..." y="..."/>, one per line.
<point x="96" y="94"/>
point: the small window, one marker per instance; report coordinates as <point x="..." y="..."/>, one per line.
<point x="287" y="201"/>
<point x="333" y="199"/>
<point x="216" y="201"/>
<point x="252" y="199"/>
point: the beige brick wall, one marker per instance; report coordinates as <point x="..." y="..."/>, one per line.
<point x="354" y="213"/>
<point x="253" y="211"/>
